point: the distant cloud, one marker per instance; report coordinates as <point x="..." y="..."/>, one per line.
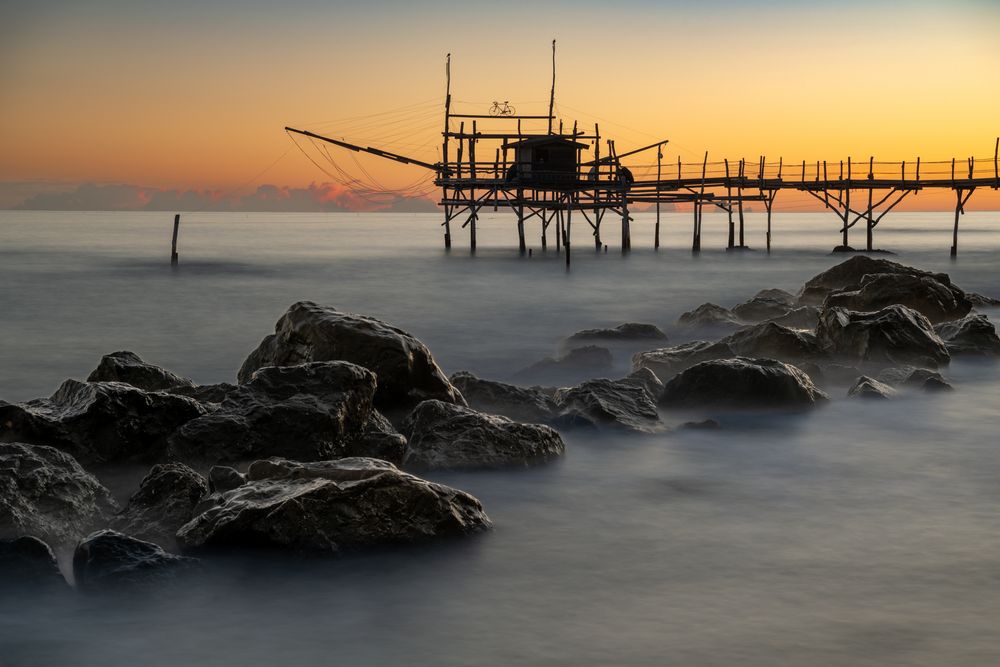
<point x="317" y="197"/>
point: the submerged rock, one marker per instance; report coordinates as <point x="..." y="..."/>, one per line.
<point x="894" y="335"/>
<point x="28" y="563"/>
<point x="937" y="301"/>
<point x="774" y="341"/>
<point x="444" y="436"/>
<point x="849" y="273"/>
<point x="522" y="404"/>
<point x="164" y="502"/>
<point x="622" y="332"/>
<point x="311" y="411"/>
<point x="330" y="507"/>
<point x="406" y="370"/>
<point x="867" y="387"/>
<point x="100" y="422"/>
<point x="45" y="492"/>
<point x="127" y="367"/>
<point x="709" y="315"/>
<point x="972" y="335"/>
<point x="741" y="382"/>
<point x="590" y="359"/>
<point x="703" y="425"/>
<point x="668" y="361"/>
<point x="620" y="403"/>
<point x="110" y="561"/>
<point x="981" y="300"/>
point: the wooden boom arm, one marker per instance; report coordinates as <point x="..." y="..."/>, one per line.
<point x="368" y="149"/>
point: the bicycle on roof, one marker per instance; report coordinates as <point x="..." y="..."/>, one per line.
<point x="504" y="109"/>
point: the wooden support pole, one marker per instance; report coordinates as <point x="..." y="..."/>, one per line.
<point x="739" y="195"/>
<point x="545" y="225"/>
<point x="659" y="164"/>
<point x="958" y="212"/>
<point x="871" y="222"/>
<point x="996" y="163"/>
<point x="729" y="207"/>
<point x="173" y="242"/>
<point x="696" y="230"/>
<point x="472" y="228"/>
<point x="557" y="216"/>
<point x="444" y="150"/>
<point x="569" y="223"/>
<point x="598" y="213"/>
<point x="522" y="246"/>
<point x="447" y="223"/>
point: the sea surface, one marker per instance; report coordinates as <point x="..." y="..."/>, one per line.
<point x="859" y="534"/>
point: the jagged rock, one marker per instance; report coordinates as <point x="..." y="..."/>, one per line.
<point x="911" y="376"/>
<point x="849" y="273"/>
<point x="28" y="563"/>
<point x="618" y="403"/>
<point x="981" y="300"/>
<point x="646" y="379"/>
<point x="774" y="341"/>
<point x="444" y="436"/>
<point x="45" y="492"/>
<point x="867" y="387"/>
<point x="709" y="315"/>
<point x="703" y="425"/>
<point x="622" y="332"/>
<point x="741" y="382"/>
<point x="164" y="502"/>
<point x="406" y="370"/>
<point x="224" y="478"/>
<point x="110" y="561"/>
<point x="894" y="335"/>
<point x="590" y="359"/>
<point x="935" y="300"/>
<point x="332" y="506"/>
<point x="973" y="334"/>
<point x="379" y="439"/>
<point x="127" y="367"/>
<point x="521" y="404"/>
<point x="668" y="361"/>
<point x="766" y="304"/>
<point x="311" y="411"/>
<point x="205" y="393"/>
<point x="100" y="422"/>
<point x="803" y="317"/>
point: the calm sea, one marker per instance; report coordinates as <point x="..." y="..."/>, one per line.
<point x="856" y="535"/>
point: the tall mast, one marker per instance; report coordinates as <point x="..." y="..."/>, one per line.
<point x="447" y="111"/>
<point x="552" y="95"/>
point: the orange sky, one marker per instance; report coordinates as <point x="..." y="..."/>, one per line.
<point x="192" y="98"/>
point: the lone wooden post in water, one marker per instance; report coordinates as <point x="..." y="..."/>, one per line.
<point x="173" y="242"/>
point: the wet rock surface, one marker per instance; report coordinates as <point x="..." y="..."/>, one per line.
<point x="911" y="376"/>
<point x="870" y="388"/>
<point x="848" y="274"/>
<point x="311" y="411"/>
<point x="646" y="379"/>
<point x="100" y="422"/>
<point x="27" y="563"/>
<point x="617" y="403"/>
<point x="622" y="332"/>
<point x="406" y="370"/>
<point x="774" y="341"/>
<point x="974" y="334"/>
<point x="110" y="561"/>
<point x="741" y="382"/>
<point x="444" y="436"/>
<point x="164" y="502"/>
<point x="668" y="361"/>
<point x="803" y="317"/>
<point x="895" y="335"/>
<point x="524" y="404"/>
<point x="331" y="507"/>
<point x="766" y="304"/>
<point x="709" y="315"/>
<point x="937" y="301"/>
<point x="205" y="393"/>
<point x="128" y="367"/>
<point x="44" y="492"/>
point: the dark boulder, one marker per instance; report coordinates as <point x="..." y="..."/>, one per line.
<point x="766" y="304"/>
<point x="164" y="502"/>
<point x="378" y="439"/>
<point x="709" y="315"/>
<point x="577" y="362"/>
<point x="311" y="411"/>
<point x="406" y="370"/>
<point x="981" y="300"/>
<point x="617" y="403"/>
<point x="803" y="317"/>
<point x="867" y="387"/>
<point x="205" y="393"/>
<point x="622" y="332"/>
<point x="741" y="382"/>
<point x="109" y="561"/>
<point x="224" y="478"/>
<point x="972" y="335"/>
<point x="523" y="404"/>
<point x="774" y="341"/>
<point x="444" y="436"/>
<point x="911" y="376"/>
<point x="937" y="301"/>
<point x="45" y="492"/>
<point x="848" y="275"/>
<point x="891" y="336"/>
<point x="646" y="379"/>
<point x="127" y="367"/>
<point x="330" y="507"/>
<point x="668" y="361"/>
<point x="100" y="422"/>
<point x="28" y="564"/>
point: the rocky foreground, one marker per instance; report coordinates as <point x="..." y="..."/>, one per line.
<point x="318" y="447"/>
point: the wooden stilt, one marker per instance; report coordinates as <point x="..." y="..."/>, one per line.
<point x="520" y="222"/>
<point x="569" y="223"/>
<point x="659" y="169"/>
<point x="958" y="212"/>
<point x="173" y="242"/>
<point x="739" y="195"/>
<point x="557" y="216"/>
<point x="545" y="225"/>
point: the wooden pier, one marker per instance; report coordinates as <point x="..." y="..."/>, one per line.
<point x="572" y="173"/>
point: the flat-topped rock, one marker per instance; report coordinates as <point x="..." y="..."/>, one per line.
<point x="937" y="301"/>
<point x="45" y="493"/>
<point x="668" y="361"/>
<point x="848" y="274"/>
<point x="622" y="332"/>
<point x="524" y="404"/>
<point x="406" y="370"/>
<point x="709" y="315"/>
<point x="444" y="436"/>
<point x="895" y="335"/>
<point x="621" y="404"/>
<point x="741" y="382"/>
<point x="164" y="502"/>
<point x="870" y="388"/>
<point x="773" y="341"/>
<point x="974" y="334"/>
<point x="331" y="507"/>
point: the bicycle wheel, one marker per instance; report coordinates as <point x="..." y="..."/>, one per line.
<point x="495" y="110"/>
<point x="509" y="111"/>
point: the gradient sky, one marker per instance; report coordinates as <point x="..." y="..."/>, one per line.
<point x="194" y="95"/>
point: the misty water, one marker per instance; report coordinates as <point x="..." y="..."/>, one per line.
<point x="858" y="534"/>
